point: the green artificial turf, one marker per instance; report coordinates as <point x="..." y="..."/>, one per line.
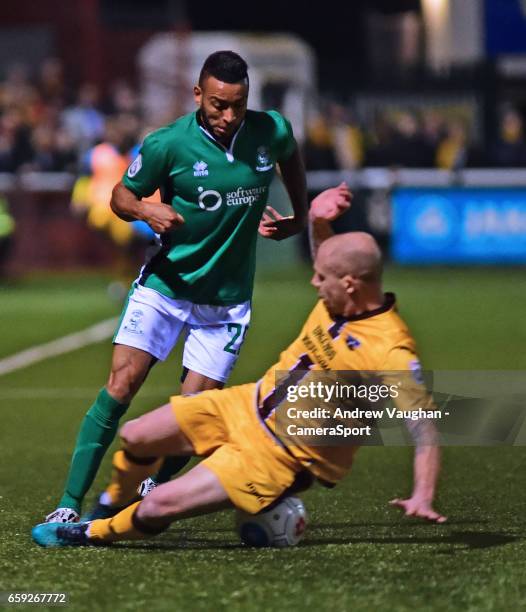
<point x="358" y="553"/>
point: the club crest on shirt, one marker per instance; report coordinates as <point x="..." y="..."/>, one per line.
<point x="352" y="343"/>
<point x="200" y="168"/>
<point x="135" y="166"/>
<point x="263" y="159"/>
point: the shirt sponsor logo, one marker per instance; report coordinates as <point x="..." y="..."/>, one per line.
<point x="263" y="160"/>
<point x="211" y="200"/>
<point x="242" y="196"/>
<point x="200" y="168"/>
<point x="135" y="166"/>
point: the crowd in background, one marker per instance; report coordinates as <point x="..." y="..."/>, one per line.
<point x="411" y="139"/>
<point x="47" y="126"/>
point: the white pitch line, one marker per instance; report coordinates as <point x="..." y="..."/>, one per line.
<point x="71" y="342"/>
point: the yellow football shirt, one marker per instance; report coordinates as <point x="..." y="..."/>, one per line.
<point x="374" y="342"/>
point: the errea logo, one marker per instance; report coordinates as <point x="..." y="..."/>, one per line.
<point x="200" y="168"/>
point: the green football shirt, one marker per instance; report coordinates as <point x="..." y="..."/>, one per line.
<point x="221" y="193"/>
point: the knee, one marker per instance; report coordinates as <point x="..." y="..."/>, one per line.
<point x="131" y="435"/>
<point x="160" y="504"/>
<point x="124" y="382"/>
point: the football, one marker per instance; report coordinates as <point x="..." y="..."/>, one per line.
<point x="282" y="525"/>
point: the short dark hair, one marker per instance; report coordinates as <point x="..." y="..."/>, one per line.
<point x="225" y="66"/>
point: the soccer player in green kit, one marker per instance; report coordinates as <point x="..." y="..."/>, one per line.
<point x="214" y="168"/>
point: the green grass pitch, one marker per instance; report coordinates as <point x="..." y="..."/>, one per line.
<point x="358" y="554"/>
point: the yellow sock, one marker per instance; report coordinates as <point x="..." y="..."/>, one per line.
<point x="123" y="526"/>
<point x="119" y="527"/>
<point x="126" y="477"/>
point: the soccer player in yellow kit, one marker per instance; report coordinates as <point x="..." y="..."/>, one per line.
<point x="354" y="326"/>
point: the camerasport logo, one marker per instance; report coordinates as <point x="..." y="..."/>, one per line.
<point x="211" y="200"/>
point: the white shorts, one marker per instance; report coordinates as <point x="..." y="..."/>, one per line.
<point x="153" y="323"/>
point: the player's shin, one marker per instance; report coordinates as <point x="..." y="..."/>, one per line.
<point x="123" y="526"/>
<point x="96" y="433"/>
<point x="128" y="473"/>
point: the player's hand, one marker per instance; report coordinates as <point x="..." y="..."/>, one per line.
<point x="418" y="507"/>
<point x="331" y="203"/>
<point x="277" y="227"/>
<point x="161" y="217"/>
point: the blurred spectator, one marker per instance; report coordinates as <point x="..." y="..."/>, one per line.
<point x="346" y="136"/>
<point x="102" y="168"/>
<point x="51" y="83"/>
<point x="433" y="128"/>
<point x="452" y="152"/>
<point x="510" y="148"/>
<point x="84" y="122"/>
<point x="16" y="90"/>
<point x="379" y="145"/>
<point x="318" y="150"/>
<point x="15" y="141"/>
<point x="129" y="128"/>
<point x="123" y="99"/>
<point x="52" y="150"/>
<point x="409" y="147"/>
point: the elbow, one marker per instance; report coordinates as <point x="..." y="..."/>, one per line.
<point x="122" y="203"/>
<point x="115" y="198"/>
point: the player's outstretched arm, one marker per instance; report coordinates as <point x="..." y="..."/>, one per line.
<point x="426" y="470"/>
<point x="277" y="227"/>
<point x="326" y="207"/>
<point x="160" y="217"/>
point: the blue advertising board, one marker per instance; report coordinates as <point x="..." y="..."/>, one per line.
<point x="459" y="225"/>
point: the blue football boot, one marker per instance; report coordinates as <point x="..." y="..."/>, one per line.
<point x="61" y="534"/>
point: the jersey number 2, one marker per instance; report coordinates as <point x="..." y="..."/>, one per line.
<point x="236" y="328"/>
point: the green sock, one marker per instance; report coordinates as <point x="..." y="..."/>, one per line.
<point x="169" y="467"/>
<point x="97" y="432"/>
